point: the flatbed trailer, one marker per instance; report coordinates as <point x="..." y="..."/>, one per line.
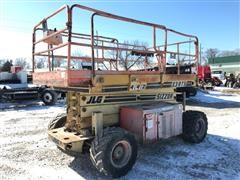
<point x="18" y="92"/>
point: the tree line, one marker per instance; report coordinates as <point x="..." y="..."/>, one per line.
<point x="5" y="64"/>
<point x="123" y="56"/>
<point x="214" y="52"/>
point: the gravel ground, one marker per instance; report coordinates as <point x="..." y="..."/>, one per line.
<point x="26" y="153"/>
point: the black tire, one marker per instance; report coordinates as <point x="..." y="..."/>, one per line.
<point x="49" y="97"/>
<point x="58" y="121"/>
<point x="187" y="94"/>
<point x="216" y="83"/>
<point x="179" y="97"/>
<point x="115" y="153"/>
<point x="195" y="126"/>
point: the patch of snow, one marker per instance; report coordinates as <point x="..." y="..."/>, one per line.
<point x="216" y="97"/>
<point x="26" y="153"/>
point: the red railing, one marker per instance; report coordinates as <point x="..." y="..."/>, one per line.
<point x="89" y="40"/>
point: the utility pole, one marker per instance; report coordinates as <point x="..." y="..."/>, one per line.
<point x="200" y="54"/>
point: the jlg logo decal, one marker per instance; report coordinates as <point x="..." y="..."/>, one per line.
<point x="137" y="87"/>
<point x="95" y="99"/>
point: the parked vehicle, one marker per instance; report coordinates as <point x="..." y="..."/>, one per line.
<point x="206" y="79"/>
<point x="204" y="74"/>
<point x="216" y="81"/>
<point x="14" y="86"/>
<point x="237" y="82"/>
<point x="219" y="74"/>
<point x="110" y="110"/>
<point x="230" y="80"/>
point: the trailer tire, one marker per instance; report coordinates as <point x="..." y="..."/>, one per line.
<point x="58" y="121"/>
<point x="49" y="97"/>
<point x="195" y="126"/>
<point x="115" y="153"/>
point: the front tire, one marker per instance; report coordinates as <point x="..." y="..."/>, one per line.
<point x="58" y="122"/>
<point x="115" y="153"/>
<point x="195" y="126"/>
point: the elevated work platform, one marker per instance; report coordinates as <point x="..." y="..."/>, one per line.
<point x="97" y="62"/>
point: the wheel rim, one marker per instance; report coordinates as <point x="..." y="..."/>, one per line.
<point x="200" y="128"/>
<point x="121" y="153"/>
<point x="47" y="97"/>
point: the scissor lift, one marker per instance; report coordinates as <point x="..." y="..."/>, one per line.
<point x="97" y="91"/>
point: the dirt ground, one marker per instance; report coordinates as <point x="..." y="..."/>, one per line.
<point x="26" y="152"/>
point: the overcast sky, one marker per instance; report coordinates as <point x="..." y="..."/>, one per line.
<point x="215" y="22"/>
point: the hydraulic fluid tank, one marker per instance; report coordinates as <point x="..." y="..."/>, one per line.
<point x="152" y="122"/>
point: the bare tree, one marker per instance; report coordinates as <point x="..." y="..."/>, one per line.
<point x="130" y="57"/>
<point x="7" y="66"/>
<point x="229" y="53"/>
<point x="211" y="53"/>
<point x="76" y="63"/>
<point x="21" y="62"/>
<point x="40" y="63"/>
<point x="2" y="61"/>
<point x="57" y="62"/>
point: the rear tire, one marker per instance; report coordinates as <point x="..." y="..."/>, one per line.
<point x="58" y="122"/>
<point x="195" y="126"/>
<point x="49" y="97"/>
<point x="115" y="153"/>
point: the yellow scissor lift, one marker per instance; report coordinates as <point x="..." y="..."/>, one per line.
<point x="96" y="92"/>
